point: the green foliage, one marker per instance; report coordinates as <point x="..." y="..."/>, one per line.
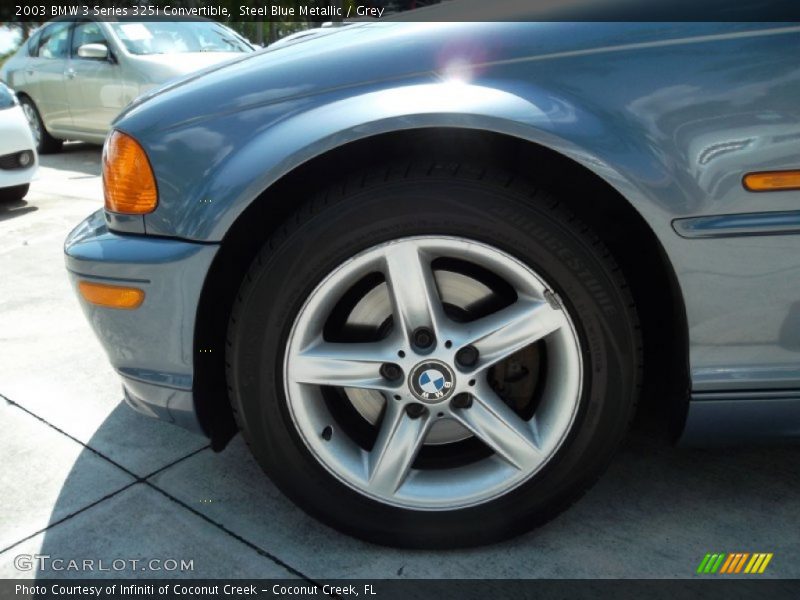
<point x="260" y="33"/>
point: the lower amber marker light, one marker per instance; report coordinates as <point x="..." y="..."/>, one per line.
<point x="111" y="296"/>
<point x="772" y="181"/>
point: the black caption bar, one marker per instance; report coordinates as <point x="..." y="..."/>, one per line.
<point x="405" y="589"/>
<point x="407" y="10"/>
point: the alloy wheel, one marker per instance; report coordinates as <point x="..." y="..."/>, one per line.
<point x="413" y="408"/>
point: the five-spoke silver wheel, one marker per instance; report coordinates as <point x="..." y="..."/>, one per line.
<point x="428" y="381"/>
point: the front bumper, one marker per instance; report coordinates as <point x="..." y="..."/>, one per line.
<point x="152" y="346"/>
<point x="16" y="136"/>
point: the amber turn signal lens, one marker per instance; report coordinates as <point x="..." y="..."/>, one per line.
<point x="772" y="181"/>
<point x="128" y="182"/>
<point x="111" y="296"/>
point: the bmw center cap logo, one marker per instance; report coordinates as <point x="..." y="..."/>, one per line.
<point x="432" y="381"/>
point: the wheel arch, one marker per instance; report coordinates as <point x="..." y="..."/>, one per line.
<point x="49" y="143"/>
<point x="22" y="94"/>
<point x="617" y="221"/>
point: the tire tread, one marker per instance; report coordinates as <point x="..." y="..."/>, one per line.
<point x="362" y="180"/>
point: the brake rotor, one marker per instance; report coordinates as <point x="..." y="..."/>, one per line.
<point x="458" y="291"/>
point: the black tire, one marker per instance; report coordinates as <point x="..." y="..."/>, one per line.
<point x="46" y="144"/>
<point x="403" y="200"/>
<point x="14" y="194"/>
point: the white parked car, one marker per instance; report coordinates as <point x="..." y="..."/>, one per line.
<point x="18" y="159"/>
<point x="74" y="77"/>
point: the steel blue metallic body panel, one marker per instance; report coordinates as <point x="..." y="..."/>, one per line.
<point x="152" y="346"/>
<point x="671" y="115"/>
<point x="771" y="223"/>
<point x="125" y="223"/>
<point x="162" y="402"/>
<point x="717" y="419"/>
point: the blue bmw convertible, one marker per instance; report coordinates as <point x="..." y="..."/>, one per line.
<point x="428" y="270"/>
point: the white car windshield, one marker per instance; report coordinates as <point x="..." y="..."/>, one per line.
<point x="157" y="37"/>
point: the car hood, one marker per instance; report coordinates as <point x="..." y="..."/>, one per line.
<point x="184" y="80"/>
<point x="183" y="63"/>
<point x="347" y="57"/>
<point x="375" y="54"/>
<point x="156" y="70"/>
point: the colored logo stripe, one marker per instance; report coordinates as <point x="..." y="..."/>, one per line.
<point x="758" y="563"/>
<point x="734" y="562"/>
<point x="735" y="565"/>
<point x="710" y="563"/>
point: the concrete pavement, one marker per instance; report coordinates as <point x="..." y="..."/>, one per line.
<point x="85" y="477"/>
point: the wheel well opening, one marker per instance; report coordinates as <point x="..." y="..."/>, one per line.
<point x="24" y="96"/>
<point x="632" y="242"/>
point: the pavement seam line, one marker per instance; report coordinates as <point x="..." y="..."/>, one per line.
<point x="138" y="478"/>
<point x="258" y="549"/>
<point x="144" y="480"/>
<point x="73" y="438"/>
<point x="69" y="516"/>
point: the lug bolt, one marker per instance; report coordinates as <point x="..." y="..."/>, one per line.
<point x="415" y="410"/>
<point x="391" y="371"/>
<point x="423" y="337"/>
<point x="461" y="401"/>
<point x="467" y="356"/>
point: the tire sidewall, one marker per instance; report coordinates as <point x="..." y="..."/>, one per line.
<point x="527" y="228"/>
<point x="47" y="144"/>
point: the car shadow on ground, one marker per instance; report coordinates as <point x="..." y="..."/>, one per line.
<point x="75" y="156"/>
<point x="9" y="210"/>
<point x="656" y="512"/>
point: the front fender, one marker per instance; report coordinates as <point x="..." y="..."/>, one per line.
<point x="222" y="175"/>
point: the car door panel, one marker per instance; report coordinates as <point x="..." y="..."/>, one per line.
<point x="45" y="76"/>
<point x="93" y="86"/>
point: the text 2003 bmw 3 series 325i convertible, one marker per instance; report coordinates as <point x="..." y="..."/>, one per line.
<point x="428" y="269"/>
